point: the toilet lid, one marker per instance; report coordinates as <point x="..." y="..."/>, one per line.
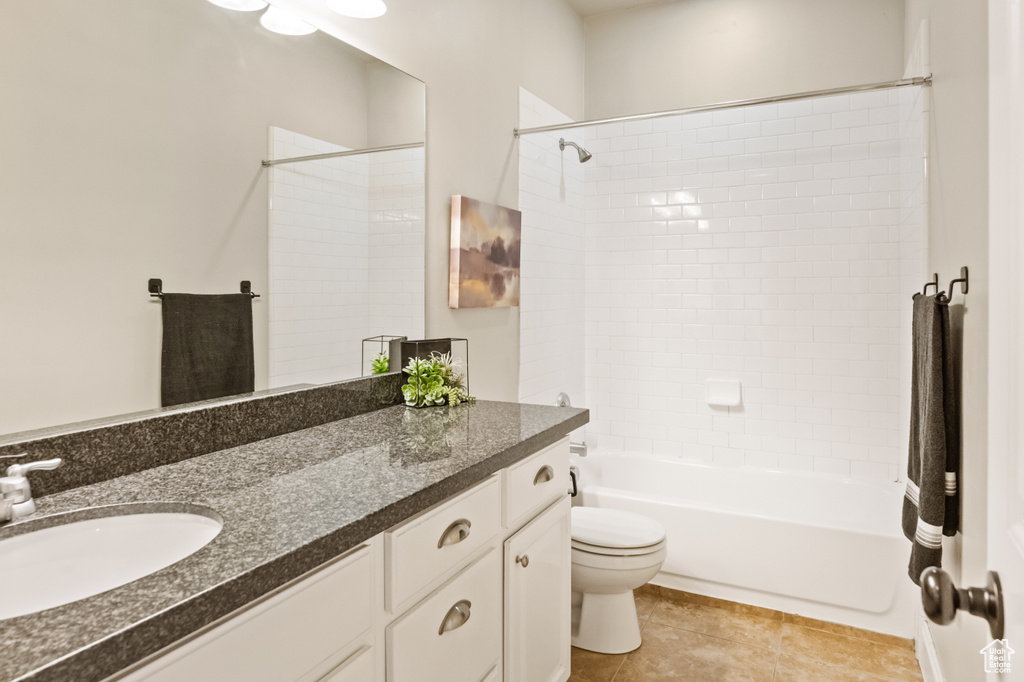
<point x="613" y="528"/>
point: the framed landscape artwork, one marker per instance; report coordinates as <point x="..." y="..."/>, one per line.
<point x="484" y="265"/>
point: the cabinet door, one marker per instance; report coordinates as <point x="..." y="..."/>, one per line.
<point x="538" y="598"/>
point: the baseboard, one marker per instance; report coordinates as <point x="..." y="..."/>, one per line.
<point x="927" y="656"/>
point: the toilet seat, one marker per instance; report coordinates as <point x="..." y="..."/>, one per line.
<point x="612" y="532"/>
<point x="616" y="551"/>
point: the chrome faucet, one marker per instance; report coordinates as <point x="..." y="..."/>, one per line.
<point x="15" y="494"/>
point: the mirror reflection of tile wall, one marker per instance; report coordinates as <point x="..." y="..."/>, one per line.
<point x="346" y="256"/>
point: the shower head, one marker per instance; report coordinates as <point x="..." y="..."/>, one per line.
<point x="584" y="154"/>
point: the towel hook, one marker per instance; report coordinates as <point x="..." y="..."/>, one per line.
<point x="962" y="280"/>
<point x="933" y="283"/>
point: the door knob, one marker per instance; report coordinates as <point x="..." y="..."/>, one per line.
<point x="942" y="599"/>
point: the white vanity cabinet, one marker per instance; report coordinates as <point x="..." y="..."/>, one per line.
<point x="537" y="575"/>
<point x="474" y="589"/>
<point x="319" y="625"/>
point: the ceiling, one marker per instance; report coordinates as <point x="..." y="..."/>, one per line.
<point x="586" y="8"/>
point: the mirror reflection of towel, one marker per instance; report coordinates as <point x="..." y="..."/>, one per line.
<point x="207" y="347"/>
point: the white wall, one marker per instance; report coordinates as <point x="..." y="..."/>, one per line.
<point x="958" y="235"/>
<point x="473" y="57"/>
<point x="693" y="52"/>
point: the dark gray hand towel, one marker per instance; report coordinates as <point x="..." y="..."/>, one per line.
<point x="931" y="506"/>
<point x="207" y="347"/>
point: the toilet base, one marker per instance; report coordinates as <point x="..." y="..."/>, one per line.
<point x="605" y="623"/>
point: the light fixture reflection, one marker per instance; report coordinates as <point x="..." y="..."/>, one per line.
<point x="277" y="20"/>
<point x="240" y="5"/>
<point x="360" y="9"/>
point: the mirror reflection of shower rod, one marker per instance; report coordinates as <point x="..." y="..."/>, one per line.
<point x="334" y="155"/>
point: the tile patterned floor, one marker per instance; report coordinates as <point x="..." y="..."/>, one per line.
<point x="688" y="637"/>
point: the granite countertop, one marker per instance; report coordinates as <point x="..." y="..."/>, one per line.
<point x="289" y="504"/>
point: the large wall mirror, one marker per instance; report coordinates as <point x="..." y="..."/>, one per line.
<point x="133" y="136"/>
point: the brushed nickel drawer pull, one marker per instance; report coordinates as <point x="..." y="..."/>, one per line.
<point x="544" y="474"/>
<point x="456" y="617"/>
<point x="524" y="560"/>
<point x="455" y="533"/>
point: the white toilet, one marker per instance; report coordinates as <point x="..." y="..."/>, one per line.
<point x="613" y="553"/>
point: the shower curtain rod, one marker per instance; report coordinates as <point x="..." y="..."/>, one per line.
<point x="919" y="80"/>
<point x="334" y="155"/>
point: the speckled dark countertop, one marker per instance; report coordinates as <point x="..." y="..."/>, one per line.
<point x="289" y="504"/>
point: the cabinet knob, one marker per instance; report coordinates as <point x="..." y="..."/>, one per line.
<point x="544" y="474"/>
<point x="456" y="617"/>
<point x="524" y="560"/>
<point x="455" y="533"/>
<point x="942" y="599"/>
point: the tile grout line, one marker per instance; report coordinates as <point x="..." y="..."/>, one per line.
<point x="642" y="627"/>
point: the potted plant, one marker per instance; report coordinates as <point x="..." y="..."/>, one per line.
<point x="438" y="380"/>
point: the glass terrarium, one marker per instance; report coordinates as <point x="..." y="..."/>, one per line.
<point x="381" y="354"/>
<point x="424" y="348"/>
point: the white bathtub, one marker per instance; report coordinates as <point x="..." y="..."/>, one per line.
<point x="820" y="546"/>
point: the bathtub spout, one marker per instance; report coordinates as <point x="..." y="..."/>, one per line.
<point x="579" y="449"/>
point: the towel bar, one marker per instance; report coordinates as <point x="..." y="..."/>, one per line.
<point x="156" y="288"/>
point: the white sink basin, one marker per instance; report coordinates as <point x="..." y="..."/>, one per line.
<point x="80" y="557"/>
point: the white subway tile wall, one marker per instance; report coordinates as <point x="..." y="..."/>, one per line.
<point x="396" y="255"/>
<point x="777" y="245"/>
<point x="346" y="256"/>
<point x="551" y="312"/>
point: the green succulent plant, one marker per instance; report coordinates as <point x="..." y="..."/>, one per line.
<point x="435" y="381"/>
<point x="380" y="364"/>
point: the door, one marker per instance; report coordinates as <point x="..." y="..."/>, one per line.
<point x="1006" y="319"/>
<point x="537" y="598"/>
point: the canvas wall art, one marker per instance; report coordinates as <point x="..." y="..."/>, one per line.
<point x="484" y="266"/>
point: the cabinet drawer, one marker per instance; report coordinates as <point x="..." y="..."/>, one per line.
<point x="536" y="482"/>
<point x="422" y="550"/>
<point x="283" y="638"/>
<point x="421" y="649"/>
<point x="356" y="668"/>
